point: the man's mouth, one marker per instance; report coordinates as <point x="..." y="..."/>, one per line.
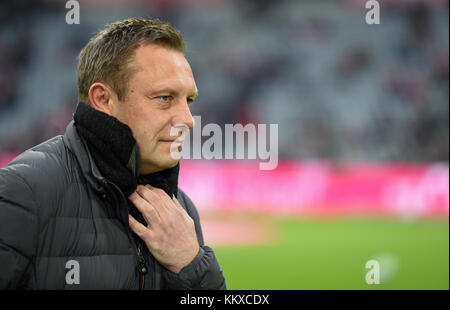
<point x="169" y="141"/>
<point x="174" y="141"/>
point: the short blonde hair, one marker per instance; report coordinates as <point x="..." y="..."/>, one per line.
<point x="108" y="55"/>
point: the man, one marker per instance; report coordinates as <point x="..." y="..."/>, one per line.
<point x="100" y="207"/>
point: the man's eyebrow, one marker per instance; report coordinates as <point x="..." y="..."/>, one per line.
<point x="169" y="90"/>
<point x="153" y="91"/>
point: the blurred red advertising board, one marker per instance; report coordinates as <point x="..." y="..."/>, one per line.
<point x="316" y="187"/>
<point x="319" y="188"/>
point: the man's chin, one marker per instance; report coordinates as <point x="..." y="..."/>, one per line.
<point x="172" y="164"/>
<point x="159" y="166"/>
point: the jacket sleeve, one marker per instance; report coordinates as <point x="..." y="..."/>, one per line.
<point x="18" y="230"/>
<point x="204" y="272"/>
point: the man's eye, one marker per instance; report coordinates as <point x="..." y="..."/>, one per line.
<point x="164" y="98"/>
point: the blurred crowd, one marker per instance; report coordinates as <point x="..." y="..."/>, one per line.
<point x="14" y="52"/>
<point x="337" y="88"/>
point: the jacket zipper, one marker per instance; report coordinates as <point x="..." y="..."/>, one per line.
<point x="142" y="267"/>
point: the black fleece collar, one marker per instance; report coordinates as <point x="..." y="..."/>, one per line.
<point x="116" y="153"/>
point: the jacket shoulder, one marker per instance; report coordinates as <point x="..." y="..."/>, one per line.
<point x="42" y="168"/>
<point x="40" y="160"/>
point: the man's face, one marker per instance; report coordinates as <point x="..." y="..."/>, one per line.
<point x="158" y="98"/>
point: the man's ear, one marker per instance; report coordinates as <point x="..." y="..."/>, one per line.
<point x="102" y="97"/>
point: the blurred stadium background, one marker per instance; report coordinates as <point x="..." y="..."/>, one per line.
<point x="362" y="112"/>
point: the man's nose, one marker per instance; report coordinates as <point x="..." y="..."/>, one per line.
<point x="184" y="116"/>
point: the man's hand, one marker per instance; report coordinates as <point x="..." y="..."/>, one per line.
<point x="170" y="233"/>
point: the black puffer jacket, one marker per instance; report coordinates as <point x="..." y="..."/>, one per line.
<point x="55" y="207"/>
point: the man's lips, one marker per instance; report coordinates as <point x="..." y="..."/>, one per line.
<point x="178" y="141"/>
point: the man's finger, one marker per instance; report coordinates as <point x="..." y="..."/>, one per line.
<point x="158" y="192"/>
<point x="150" y="214"/>
<point x="157" y="198"/>
<point x="180" y="208"/>
<point x="177" y="203"/>
<point x="137" y="227"/>
<point x="161" y="199"/>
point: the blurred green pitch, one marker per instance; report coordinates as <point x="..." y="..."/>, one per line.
<point x="332" y="253"/>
